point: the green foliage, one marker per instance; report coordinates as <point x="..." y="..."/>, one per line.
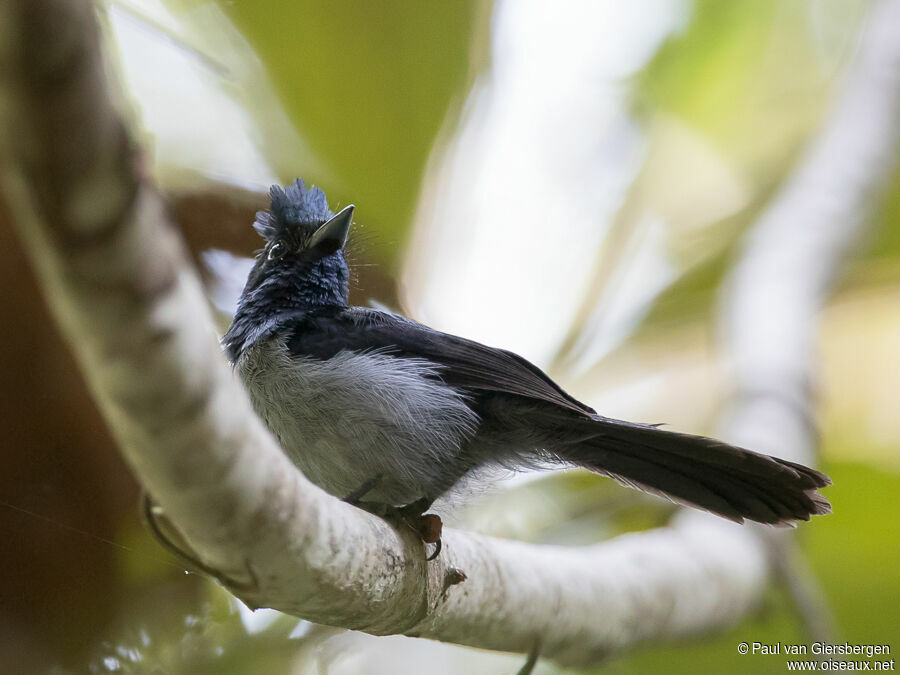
<point x="885" y="244"/>
<point x="747" y="74"/>
<point x="753" y="77"/>
<point x="368" y="86"/>
<point x="704" y="74"/>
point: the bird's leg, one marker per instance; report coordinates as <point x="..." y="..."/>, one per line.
<point x="356" y="496"/>
<point x="380" y="509"/>
<point x="532" y="659"/>
<point x="427" y="525"/>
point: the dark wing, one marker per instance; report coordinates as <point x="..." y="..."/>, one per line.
<point x="464" y="364"/>
<point x="727" y="480"/>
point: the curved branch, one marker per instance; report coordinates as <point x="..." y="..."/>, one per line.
<point x="116" y="274"/>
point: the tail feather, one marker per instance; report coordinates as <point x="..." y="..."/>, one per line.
<point x="771" y="495"/>
<point x="729" y="481"/>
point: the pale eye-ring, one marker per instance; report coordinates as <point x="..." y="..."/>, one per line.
<point x="276" y="250"/>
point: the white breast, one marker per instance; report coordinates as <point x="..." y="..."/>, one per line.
<point x="358" y="415"/>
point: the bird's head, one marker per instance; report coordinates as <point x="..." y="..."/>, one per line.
<point x="302" y="261"/>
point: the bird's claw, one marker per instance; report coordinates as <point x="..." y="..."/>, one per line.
<point x="428" y="526"/>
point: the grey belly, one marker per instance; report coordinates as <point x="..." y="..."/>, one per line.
<point x="358" y="415"/>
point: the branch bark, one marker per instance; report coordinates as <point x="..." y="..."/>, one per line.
<point x="116" y="274"/>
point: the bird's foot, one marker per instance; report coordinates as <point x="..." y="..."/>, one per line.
<point x="428" y="526"/>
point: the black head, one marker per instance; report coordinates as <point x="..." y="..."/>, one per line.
<point x="301" y="232"/>
<point x="302" y="264"/>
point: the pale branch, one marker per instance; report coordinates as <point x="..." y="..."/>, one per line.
<point x="116" y="275"/>
<point x="788" y="266"/>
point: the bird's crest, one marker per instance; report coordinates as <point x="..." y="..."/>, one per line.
<point x="293" y="207"/>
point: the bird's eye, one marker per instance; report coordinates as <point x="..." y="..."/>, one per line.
<point x="277" y="250"/>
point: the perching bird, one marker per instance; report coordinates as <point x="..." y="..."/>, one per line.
<point x="387" y="413"/>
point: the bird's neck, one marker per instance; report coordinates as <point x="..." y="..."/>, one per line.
<point x="282" y="296"/>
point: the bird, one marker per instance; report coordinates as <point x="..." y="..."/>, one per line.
<point x="392" y="415"/>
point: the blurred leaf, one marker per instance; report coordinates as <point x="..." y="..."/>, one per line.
<point x="726" y="76"/>
<point x="753" y="78"/>
<point x="885" y="244"/>
<point x="368" y="85"/>
<point x="572" y="508"/>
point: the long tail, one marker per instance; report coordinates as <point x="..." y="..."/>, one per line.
<point x="702" y="472"/>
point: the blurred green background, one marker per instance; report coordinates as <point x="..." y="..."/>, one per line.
<point x="368" y="100"/>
